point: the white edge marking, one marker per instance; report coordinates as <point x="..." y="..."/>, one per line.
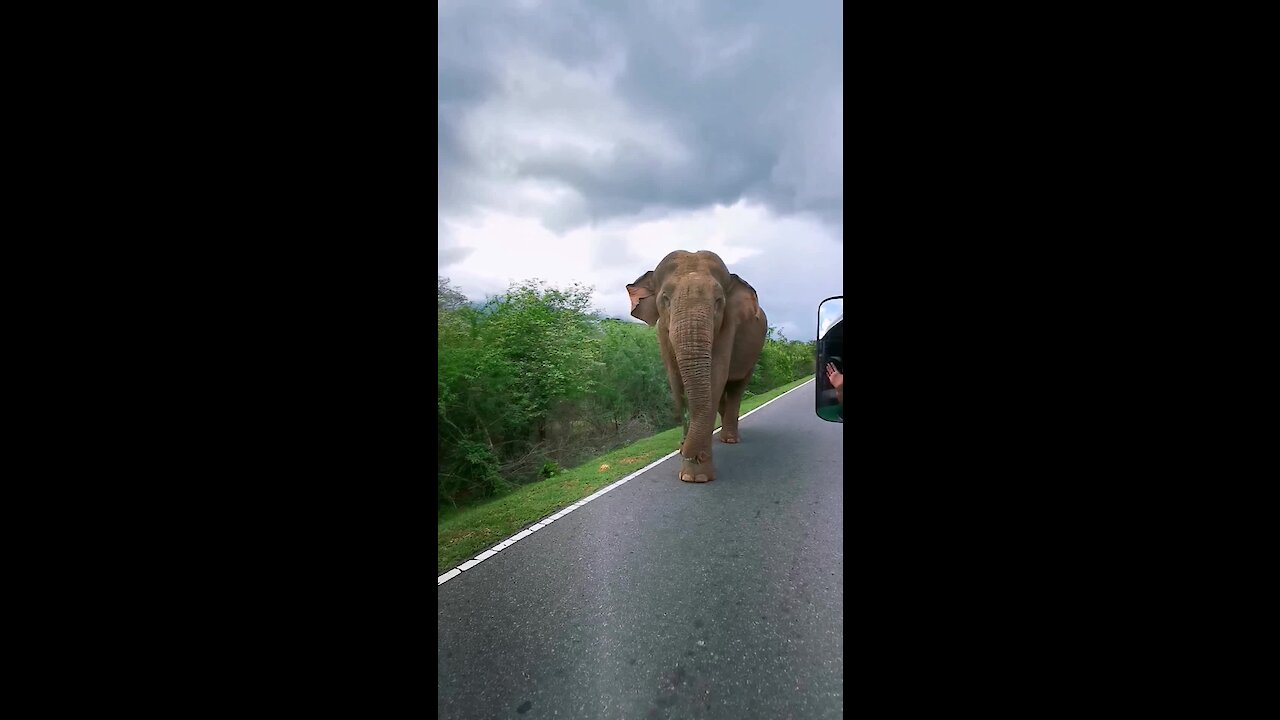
<point x="543" y="523"/>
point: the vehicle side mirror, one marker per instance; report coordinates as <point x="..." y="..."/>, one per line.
<point x="829" y="401"/>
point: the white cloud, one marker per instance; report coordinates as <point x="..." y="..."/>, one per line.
<point x="793" y="262"/>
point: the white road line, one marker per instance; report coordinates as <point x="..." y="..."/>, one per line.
<point x="543" y="523"/>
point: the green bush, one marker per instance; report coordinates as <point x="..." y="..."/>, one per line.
<point x="781" y="361"/>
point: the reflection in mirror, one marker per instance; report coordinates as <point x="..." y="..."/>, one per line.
<point x="829" y="384"/>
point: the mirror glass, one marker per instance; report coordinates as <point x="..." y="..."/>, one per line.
<point x="829" y="383"/>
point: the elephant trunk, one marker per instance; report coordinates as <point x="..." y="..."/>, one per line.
<point x="691" y="337"/>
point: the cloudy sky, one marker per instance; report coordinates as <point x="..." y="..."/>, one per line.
<point x="583" y="141"/>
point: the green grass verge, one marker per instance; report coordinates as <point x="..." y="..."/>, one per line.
<point x="465" y="533"/>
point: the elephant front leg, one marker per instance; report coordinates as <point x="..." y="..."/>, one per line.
<point x="678" y="404"/>
<point x="697" y="468"/>
<point x="678" y="412"/>
<point x="730" y="406"/>
<point x="696" y="462"/>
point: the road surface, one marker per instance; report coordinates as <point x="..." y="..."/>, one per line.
<point x="663" y="599"/>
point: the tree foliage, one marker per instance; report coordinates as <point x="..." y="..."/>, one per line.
<point x="781" y="361"/>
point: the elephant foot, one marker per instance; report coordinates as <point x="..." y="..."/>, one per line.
<point x="729" y="437"/>
<point x="697" y="472"/>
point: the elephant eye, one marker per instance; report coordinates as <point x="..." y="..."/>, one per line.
<point x="666" y="300"/>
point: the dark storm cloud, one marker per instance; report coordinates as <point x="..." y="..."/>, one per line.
<point x="448" y="251"/>
<point x="447" y="255"/>
<point x="716" y="102"/>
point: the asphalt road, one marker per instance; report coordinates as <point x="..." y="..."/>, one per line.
<point x="663" y="599"/>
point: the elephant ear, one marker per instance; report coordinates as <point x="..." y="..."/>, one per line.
<point x="643" y="305"/>
<point x="755" y="299"/>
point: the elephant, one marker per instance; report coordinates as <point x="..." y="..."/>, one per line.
<point x="711" y="331"/>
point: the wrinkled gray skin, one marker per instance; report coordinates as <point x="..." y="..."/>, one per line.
<point x="710" y="332"/>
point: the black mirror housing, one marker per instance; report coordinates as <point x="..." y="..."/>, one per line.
<point x="829" y="401"/>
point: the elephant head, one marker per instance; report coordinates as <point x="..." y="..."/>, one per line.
<point x="686" y="297"/>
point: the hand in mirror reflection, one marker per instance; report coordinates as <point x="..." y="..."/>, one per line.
<point x="835" y="376"/>
<point x="837" y="381"/>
